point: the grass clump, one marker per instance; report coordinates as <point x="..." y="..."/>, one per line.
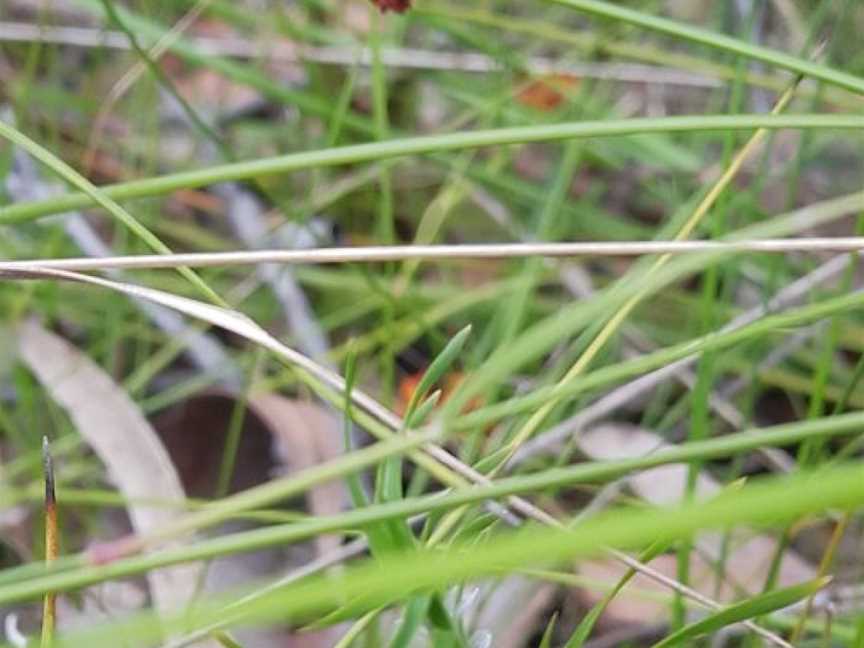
<point x="488" y="324"/>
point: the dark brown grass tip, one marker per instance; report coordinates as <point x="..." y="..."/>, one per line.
<point x="399" y="6"/>
<point x="48" y="469"/>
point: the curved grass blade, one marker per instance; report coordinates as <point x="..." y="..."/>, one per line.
<point x="749" y="609"/>
<point x="377" y="151"/>
<point x="98" y="197"/>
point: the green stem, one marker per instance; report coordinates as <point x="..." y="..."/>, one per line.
<point x="376" y="151"/>
<point x="94" y="196"/>
<point x="560" y="477"/>
<point x="373" y="584"/>
<point x="717" y="41"/>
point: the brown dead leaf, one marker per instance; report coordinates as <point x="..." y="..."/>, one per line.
<point x="662" y="486"/>
<point x="195" y="431"/>
<point x="640" y="602"/>
<point x="115" y="429"/>
<point x="749" y="556"/>
<point x="278" y="434"/>
<point x="305" y="435"/>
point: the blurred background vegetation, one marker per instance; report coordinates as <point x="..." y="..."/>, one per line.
<point x="125" y="91"/>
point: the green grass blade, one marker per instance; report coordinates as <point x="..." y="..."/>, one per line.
<point x="412" y="618"/>
<point x="586" y="626"/>
<point x="381" y="584"/>
<point x="389" y="479"/>
<point x="438" y="367"/>
<point x="546" y="639"/>
<point x="749" y="609"/>
<point x="98" y="197"/>
<point x="718" y="41"/>
<point x="597" y="472"/>
<point x="377" y="151"/>
<point x="421" y="413"/>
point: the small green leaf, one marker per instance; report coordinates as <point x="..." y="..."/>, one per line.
<point x="358" y="495"/>
<point x="583" y="630"/>
<point x="749" y="609"/>
<point x="439" y="617"/>
<point x="492" y="460"/>
<point x="388" y="482"/>
<point x="412" y="618"/>
<point x="546" y="641"/>
<point x="383" y="536"/>
<point x="473" y="530"/>
<point x="388" y="488"/>
<point x="419" y="415"/>
<point x="440" y="365"/>
<point x="445" y="631"/>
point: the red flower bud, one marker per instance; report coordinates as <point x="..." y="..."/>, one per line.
<point x="392" y="5"/>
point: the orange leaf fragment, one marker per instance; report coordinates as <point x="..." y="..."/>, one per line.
<point x="546" y="93"/>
